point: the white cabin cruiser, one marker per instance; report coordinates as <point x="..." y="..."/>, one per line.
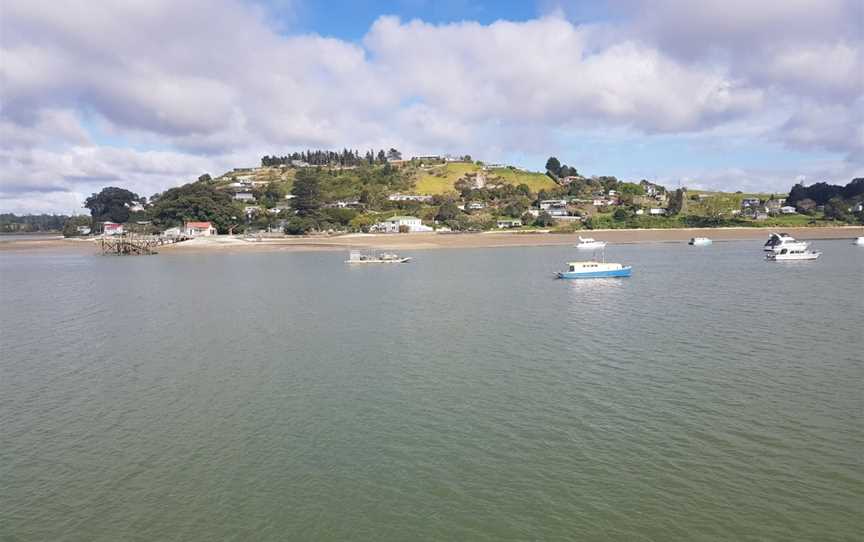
<point x="778" y="241"/>
<point x="860" y="241"/>
<point x="590" y="243"/>
<point x="792" y="254"/>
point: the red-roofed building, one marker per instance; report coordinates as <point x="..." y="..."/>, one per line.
<point x="199" y="229"/>
<point x="112" y="228"/>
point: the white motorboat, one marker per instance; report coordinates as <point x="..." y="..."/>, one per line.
<point x="700" y="241"/>
<point x="778" y="241"/>
<point x="792" y="254"/>
<point x="860" y="241"/>
<point x="589" y="243"/>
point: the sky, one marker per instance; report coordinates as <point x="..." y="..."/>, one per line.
<point x="148" y="94"/>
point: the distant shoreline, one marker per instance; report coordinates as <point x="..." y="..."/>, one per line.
<point x="428" y="241"/>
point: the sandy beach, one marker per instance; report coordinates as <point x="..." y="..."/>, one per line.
<point x="424" y="241"/>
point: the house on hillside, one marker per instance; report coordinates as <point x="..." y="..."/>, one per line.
<point x="750" y="202"/>
<point x="569" y="179"/>
<point x="788" y="210"/>
<point x="774" y="205"/>
<point x="112" y="228"/>
<point x="651" y="189"/>
<point x="555" y="207"/>
<point x="199" y="229"/>
<point x="656" y="211"/>
<point x="509" y="223"/>
<point x="397" y="223"/>
<point x="409" y="197"/>
<point x="244" y="196"/>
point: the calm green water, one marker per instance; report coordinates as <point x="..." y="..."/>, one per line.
<point x="464" y="396"/>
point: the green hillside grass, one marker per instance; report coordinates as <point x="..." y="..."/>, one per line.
<point x="535" y="181"/>
<point x="440" y="179"/>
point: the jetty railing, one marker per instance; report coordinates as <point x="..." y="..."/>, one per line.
<point x="136" y="245"/>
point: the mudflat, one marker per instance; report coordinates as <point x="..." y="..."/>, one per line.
<point x="422" y="241"/>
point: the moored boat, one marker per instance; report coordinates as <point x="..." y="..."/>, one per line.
<point x="594" y="270"/>
<point x="700" y="241"/>
<point x="778" y="241"/>
<point x="356" y="256"/>
<point x="792" y="254"/>
<point x="590" y="243"/>
<point x="860" y="241"/>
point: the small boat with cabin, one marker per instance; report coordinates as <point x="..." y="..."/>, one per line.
<point x="778" y="241"/>
<point x="594" y="270"/>
<point x="792" y="255"/>
<point x="700" y="241"/>
<point x="590" y="243"/>
<point x="860" y="241"/>
<point x="357" y="257"/>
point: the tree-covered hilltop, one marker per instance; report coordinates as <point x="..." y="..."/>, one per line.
<point x="327" y="158"/>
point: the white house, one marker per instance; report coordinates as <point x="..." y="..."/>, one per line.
<point x="199" y="229"/>
<point x="393" y="225"/>
<point x="787" y="210"/>
<point x="656" y="211"/>
<point x="83" y="230"/>
<point x="509" y="223"/>
<point x="244" y="196"/>
<point x="555" y="207"/>
<point x="408" y="197"/>
<point x="172" y="232"/>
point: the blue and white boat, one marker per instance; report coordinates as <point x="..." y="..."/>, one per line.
<point x="594" y="270"/>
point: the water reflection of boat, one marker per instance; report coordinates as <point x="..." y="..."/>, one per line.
<point x="357" y="256"/>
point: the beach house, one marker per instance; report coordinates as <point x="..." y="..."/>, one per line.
<point x="112" y="228"/>
<point x="199" y="229"/>
<point x="509" y="223"/>
<point x="397" y="224"/>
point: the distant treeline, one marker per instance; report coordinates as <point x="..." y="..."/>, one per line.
<point x="822" y="193"/>
<point x="343" y="158"/>
<point x="12" y="223"/>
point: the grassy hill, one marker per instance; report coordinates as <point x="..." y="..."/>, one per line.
<point x="440" y="179"/>
<point x="535" y="181"/>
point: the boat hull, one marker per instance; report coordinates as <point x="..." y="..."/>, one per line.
<point x="400" y="260"/>
<point x="810" y="256"/>
<point x="611" y="273"/>
<point x="591" y="246"/>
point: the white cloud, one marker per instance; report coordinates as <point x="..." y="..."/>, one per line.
<point x="222" y="91"/>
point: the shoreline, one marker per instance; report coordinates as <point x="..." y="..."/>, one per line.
<point x="430" y="241"/>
